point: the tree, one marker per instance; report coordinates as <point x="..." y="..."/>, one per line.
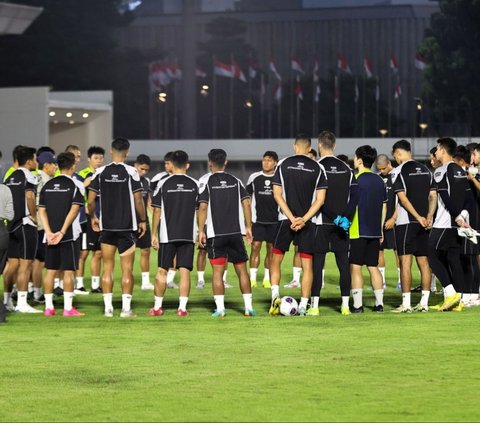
<point x="452" y="87"/>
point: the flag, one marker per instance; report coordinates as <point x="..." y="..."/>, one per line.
<point x="272" y="67"/>
<point x="295" y="63"/>
<point x="316" y="70"/>
<point x="357" y="92"/>
<point x="317" y="93"/>
<point x="277" y="91"/>
<point x="199" y="72"/>
<point x="420" y="62"/>
<point x="298" y="90"/>
<point x="367" y="64"/>
<point x="393" y="64"/>
<point x="222" y="69"/>
<point x="342" y="64"/>
<point x="252" y="70"/>
<point x="174" y="71"/>
<point x="159" y="77"/>
<point x="237" y="71"/>
<point x="398" y="90"/>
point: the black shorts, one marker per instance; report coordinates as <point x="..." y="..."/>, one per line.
<point x="231" y="247"/>
<point x="145" y="241"/>
<point x="468" y="248"/>
<point x="123" y="240"/>
<point x="63" y="256"/>
<point x="40" y="254"/>
<point x="23" y="243"/>
<point x="182" y="250"/>
<point x="364" y="251"/>
<point x="443" y="239"/>
<point x="304" y="239"/>
<point x="412" y="238"/>
<point x="331" y="238"/>
<point x="264" y="232"/>
<point x="389" y="240"/>
<point x="90" y="238"/>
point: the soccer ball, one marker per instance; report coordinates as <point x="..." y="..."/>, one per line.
<point x="288" y="306"/>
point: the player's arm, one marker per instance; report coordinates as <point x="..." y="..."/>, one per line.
<point x="141" y="213"/>
<point x="202" y="219"/>
<point x="155" y="225"/>
<point x="92" y="198"/>
<point x="407" y="205"/>
<point x="316" y="205"/>
<point x="247" y="213"/>
<point x="31" y="199"/>
<point x="42" y="213"/>
<point x="278" y="197"/>
<point x="72" y="214"/>
<point x="432" y="206"/>
<point x="390" y="223"/>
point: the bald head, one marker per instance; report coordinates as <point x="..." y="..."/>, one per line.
<point x="383" y="164"/>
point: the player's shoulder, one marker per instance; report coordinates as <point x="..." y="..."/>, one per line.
<point x="253" y="176"/>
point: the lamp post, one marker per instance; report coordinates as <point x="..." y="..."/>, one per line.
<point x="383" y="132"/>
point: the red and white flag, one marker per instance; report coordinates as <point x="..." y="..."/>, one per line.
<point x="222" y="69"/>
<point x="199" y="72"/>
<point x="420" y="62"/>
<point x="317" y="93"/>
<point x="342" y="64"/>
<point x="295" y="63"/>
<point x="159" y="77"/>
<point x="252" y="70"/>
<point x="398" y="90"/>
<point x="393" y="64"/>
<point x="367" y="65"/>
<point x="316" y="70"/>
<point x="277" y="91"/>
<point x="272" y="67"/>
<point x="174" y="71"/>
<point x="237" y="71"/>
<point x="298" y="90"/>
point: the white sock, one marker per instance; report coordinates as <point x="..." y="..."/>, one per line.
<point x="170" y="275"/>
<point x="253" y="274"/>
<point x="449" y="290"/>
<point x="424" y="298"/>
<point x="145" y="278"/>
<point x="296" y="273"/>
<point x="22" y="299"/>
<point x="49" y="301"/>
<point x="126" y="302"/>
<point x="7" y="297"/>
<point x="107" y="301"/>
<point x="315" y="301"/>
<point x="303" y="302"/>
<point x="266" y="275"/>
<point x="182" y="303"/>
<point x="95" y="282"/>
<point x="219" y="301"/>
<point x="56" y="283"/>
<point x="398" y="273"/>
<point x="247" y="300"/>
<point x="67" y="300"/>
<point x="378" y="296"/>
<point x="345" y="301"/>
<point x="158" y="303"/>
<point x="406" y="300"/>
<point x="275" y="291"/>
<point x="357" y="295"/>
<point x="79" y="283"/>
<point x="433" y="283"/>
<point x="200" y="275"/>
<point x="37" y="293"/>
<point x="30" y="286"/>
<point x="382" y="272"/>
<point x="225" y="275"/>
<point x="323" y="278"/>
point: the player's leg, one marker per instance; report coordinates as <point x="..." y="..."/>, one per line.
<point x="145" y="269"/>
<point x="341" y="258"/>
<point x="95" y="266"/>
<point x="406" y="279"/>
<point x="8" y="282"/>
<point x="254" y="262"/>
<point x="184" y="262"/>
<point x="307" y="280"/>
<point x="318" y="265"/>
<point x="357" y="288"/>
<point x="218" y="266"/>
<point x="126" y="248"/>
<point x="296" y="270"/>
<point x="159" y="292"/>
<point x="201" y="263"/>
<point x="426" y="279"/>
<point x="108" y="254"/>
<point x="48" y="291"/>
<point x="80" y="273"/>
<point x="266" y="263"/>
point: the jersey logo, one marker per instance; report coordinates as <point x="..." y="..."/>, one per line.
<point x="267" y="183"/>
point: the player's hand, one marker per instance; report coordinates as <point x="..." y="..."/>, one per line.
<point x="155" y="244"/>
<point x="142" y="229"/>
<point x="95" y="223"/>
<point x="297" y="224"/>
<point x="389" y="224"/>
<point x="249" y="235"/>
<point x="429" y="222"/>
<point x="55" y="238"/>
<point x="202" y="238"/>
<point x="423" y="221"/>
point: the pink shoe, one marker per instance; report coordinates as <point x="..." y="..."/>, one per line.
<point x="182" y="313"/>
<point x="50" y="312"/>
<point x="153" y="312"/>
<point x="72" y="313"/>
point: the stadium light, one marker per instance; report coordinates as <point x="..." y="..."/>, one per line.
<point x="383" y="132"/>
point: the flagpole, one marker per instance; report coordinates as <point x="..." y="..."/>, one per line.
<point x="262" y="107"/>
<point x="337" y="104"/>
<point x="389" y="104"/>
<point x="251" y="104"/>
<point x="279" y="116"/>
<point x="151" y="100"/>
<point x="231" y="96"/>
<point x="377" y="100"/>
<point x="292" y="93"/>
<point x="355" y="124"/>
<point x="298" y="107"/>
<point x="314" y="108"/>
<point x="214" y="101"/>
<point x="398" y="116"/>
<point x="364" y="85"/>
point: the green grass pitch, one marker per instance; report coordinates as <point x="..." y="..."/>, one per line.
<point x="370" y="367"/>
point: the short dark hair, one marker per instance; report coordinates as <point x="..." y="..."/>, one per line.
<point x="313" y="152"/>
<point x="463" y="153"/>
<point x="120" y="144"/>
<point x="303" y="137"/>
<point x="15" y="151"/>
<point x="25" y="154"/>
<point x="449" y="144"/>
<point x="327" y="139"/>
<point x="402" y="145"/>
<point x="271" y="154"/>
<point x="143" y="159"/>
<point x="217" y="156"/>
<point x="179" y="159"/>
<point x="471" y="146"/>
<point x="44" y="148"/>
<point x="95" y="149"/>
<point x="343" y="158"/>
<point x="368" y="154"/>
<point x="433" y="150"/>
<point x="65" y="160"/>
<point x="168" y="157"/>
<point x="477" y="147"/>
